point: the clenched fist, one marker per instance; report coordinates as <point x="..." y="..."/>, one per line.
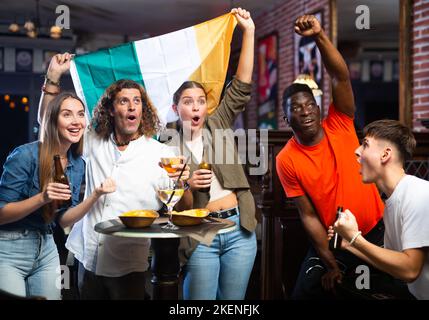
<point x="307" y="26"/>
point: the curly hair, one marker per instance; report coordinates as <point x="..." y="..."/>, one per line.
<point x="102" y="121"/>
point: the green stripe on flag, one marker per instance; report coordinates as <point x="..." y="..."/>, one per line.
<point x="100" y="69"/>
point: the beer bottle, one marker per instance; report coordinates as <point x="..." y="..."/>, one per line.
<point x="60" y="177"/>
<point x="207" y="166"/>
<point x="335" y="242"/>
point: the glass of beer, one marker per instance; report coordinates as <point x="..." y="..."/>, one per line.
<point x="167" y="163"/>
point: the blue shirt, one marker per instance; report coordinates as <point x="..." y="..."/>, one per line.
<point x="20" y="181"/>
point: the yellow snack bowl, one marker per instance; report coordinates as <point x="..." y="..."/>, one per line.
<point x="138" y="218"/>
<point x="189" y="217"/>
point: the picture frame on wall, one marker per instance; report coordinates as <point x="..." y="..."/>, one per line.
<point x="307" y="56"/>
<point x="23" y="60"/>
<point x="355" y="69"/>
<point x="376" y="68"/>
<point x="267" y="55"/>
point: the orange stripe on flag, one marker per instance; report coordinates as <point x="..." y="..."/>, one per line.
<point x="214" y="44"/>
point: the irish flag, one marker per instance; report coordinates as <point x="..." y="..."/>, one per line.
<point x="161" y="64"/>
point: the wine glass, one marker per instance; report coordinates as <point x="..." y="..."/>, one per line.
<point x="170" y="192"/>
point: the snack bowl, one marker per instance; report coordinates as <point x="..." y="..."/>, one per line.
<point x="138" y="218"/>
<point x="189" y="217"/>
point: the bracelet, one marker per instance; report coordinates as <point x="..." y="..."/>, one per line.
<point x="49" y="81"/>
<point x="49" y="92"/>
<point x="186" y="186"/>
<point x="355" y="237"/>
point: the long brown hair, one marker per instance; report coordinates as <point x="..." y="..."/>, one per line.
<point x="103" y="122"/>
<point x="50" y="145"/>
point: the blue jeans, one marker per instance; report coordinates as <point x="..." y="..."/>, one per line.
<point x="221" y="271"/>
<point x="29" y="264"/>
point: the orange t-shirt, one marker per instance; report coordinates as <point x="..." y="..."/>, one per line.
<point x="329" y="174"/>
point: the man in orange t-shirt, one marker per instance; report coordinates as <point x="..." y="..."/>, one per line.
<point x="318" y="169"/>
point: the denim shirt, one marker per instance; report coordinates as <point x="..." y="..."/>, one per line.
<point x="20" y="181"/>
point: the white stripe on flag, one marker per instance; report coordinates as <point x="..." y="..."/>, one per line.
<point x="78" y="88"/>
<point x="165" y="63"/>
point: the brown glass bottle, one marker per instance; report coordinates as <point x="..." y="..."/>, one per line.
<point x="335" y="242"/>
<point x="207" y="166"/>
<point x="60" y="177"/>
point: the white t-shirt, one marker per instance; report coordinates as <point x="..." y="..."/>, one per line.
<point x="406" y="219"/>
<point x="136" y="172"/>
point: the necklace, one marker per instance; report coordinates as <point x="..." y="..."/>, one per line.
<point x="121" y="144"/>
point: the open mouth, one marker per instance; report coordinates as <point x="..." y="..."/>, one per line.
<point x="74" y="131"/>
<point x="195" y="120"/>
<point x="307" y="122"/>
<point x="131" y="118"/>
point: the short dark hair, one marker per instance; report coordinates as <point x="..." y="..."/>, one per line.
<point x="395" y="132"/>
<point x="292" y="89"/>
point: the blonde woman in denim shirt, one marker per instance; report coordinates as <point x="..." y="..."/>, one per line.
<point x="29" y="259"/>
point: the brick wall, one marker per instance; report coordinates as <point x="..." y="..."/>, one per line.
<point x="420" y="62"/>
<point x="281" y="19"/>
